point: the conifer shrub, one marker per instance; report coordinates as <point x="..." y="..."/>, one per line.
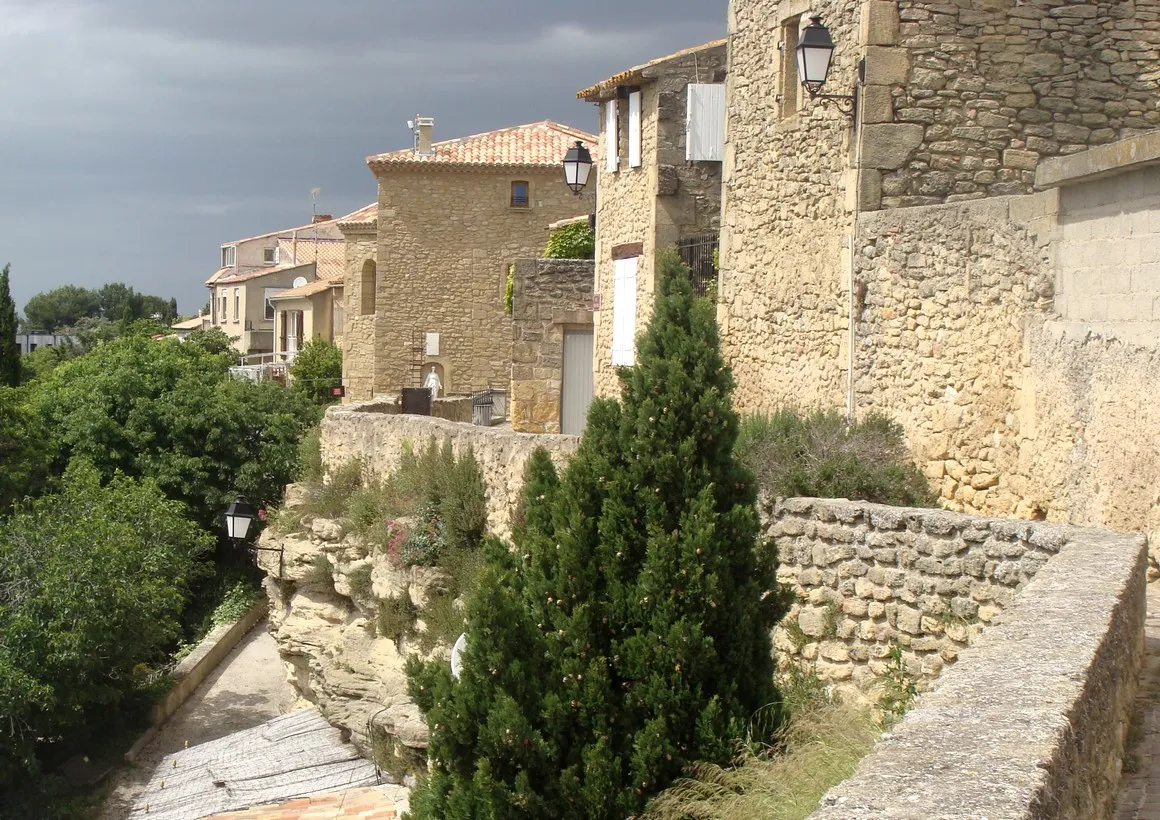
<point x="818" y="455"/>
<point x="626" y="632"/>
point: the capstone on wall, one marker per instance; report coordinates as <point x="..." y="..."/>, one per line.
<point x="358" y="340"/>
<point x="549" y="296"/>
<point x="446" y="236"/>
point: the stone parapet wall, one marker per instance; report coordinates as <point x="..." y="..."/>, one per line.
<point x="548" y="296"/>
<point x="1032" y="721"/>
<point x="378" y="438"/>
<point x="869" y="578"/>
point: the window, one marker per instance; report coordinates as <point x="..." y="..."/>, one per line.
<point x="223" y="314"/>
<point x="268" y="292"/>
<point x="270" y="256"/>
<point x="237" y="302"/>
<point x="790" y="97"/>
<point x="611" y="136"/>
<point x="624" y="312"/>
<point x="705" y="122"/>
<point x="634" y="129"/>
<point x="369" y="287"/>
<point x="229" y="255"/>
<point x="520" y="195"/>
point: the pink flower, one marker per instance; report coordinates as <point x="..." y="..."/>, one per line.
<point x="262" y="513"/>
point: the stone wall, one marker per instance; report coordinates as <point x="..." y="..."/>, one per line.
<point x="358" y="339"/>
<point x="379" y="438"/>
<point x="868" y="578"/>
<point x="548" y="296"/>
<point x="1032" y="721"/>
<point x="446" y="236"/>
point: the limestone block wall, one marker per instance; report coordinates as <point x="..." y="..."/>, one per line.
<point x="446" y="236"/>
<point x="868" y="578"/>
<point x="1032" y="721"/>
<point x="548" y="296"/>
<point x="358" y="339"/>
<point x="349" y="432"/>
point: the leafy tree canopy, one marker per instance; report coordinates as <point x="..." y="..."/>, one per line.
<point x="92" y="582"/>
<point x="171" y="412"/>
<point x="627" y="633"/>
<point x="25" y="451"/>
<point x="64" y="307"/>
<point x="317" y="367"/>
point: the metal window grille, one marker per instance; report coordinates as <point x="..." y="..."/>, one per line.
<point x="697" y="253"/>
<point x="519" y="195"/>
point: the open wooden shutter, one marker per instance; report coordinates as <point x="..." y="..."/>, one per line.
<point x="624" y="312"/>
<point x="611" y="136"/>
<point x="634" y="129"/>
<point x="705" y="137"/>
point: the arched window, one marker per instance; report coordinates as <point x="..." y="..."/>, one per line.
<point x="369" y="287"/>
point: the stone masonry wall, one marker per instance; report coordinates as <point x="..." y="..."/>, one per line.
<point x="379" y="438"/>
<point x="868" y="578"/>
<point x="548" y="296"/>
<point x="446" y="238"/>
<point x="1032" y="721"/>
<point x="358" y="338"/>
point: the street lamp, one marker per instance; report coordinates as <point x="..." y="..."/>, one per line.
<point x="240" y="515"/>
<point x="815" y="54"/>
<point x="577" y="167"/>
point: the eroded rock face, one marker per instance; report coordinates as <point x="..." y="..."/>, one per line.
<point x="323" y="617"/>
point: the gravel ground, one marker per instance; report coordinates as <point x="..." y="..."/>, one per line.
<point x="248" y="688"/>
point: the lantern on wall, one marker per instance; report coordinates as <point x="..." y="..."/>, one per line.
<point x="815" y="52"/>
<point x="577" y="167"/>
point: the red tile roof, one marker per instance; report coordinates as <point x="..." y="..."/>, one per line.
<point x="364" y="214"/>
<point x="538" y="144"/>
<point x="604" y="88"/>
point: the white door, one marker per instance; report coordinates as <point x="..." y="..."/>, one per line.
<point x="577" y="388"/>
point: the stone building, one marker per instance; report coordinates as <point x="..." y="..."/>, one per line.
<point x="975" y="253"/>
<point x="660" y="151"/>
<point x="452" y="216"/>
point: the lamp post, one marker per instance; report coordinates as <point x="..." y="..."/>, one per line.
<point x="577" y="169"/>
<point x="815" y="53"/>
<point x="240" y="515"/>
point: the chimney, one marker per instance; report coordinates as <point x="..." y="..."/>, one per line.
<point x="423" y="128"/>
<point x="321" y="218"/>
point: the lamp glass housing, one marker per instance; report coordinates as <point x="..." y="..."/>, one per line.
<point x="240" y="514"/>
<point x="815" y="52"/>
<point x="577" y="167"/>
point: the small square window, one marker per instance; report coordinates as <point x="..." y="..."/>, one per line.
<point x="228" y="256"/>
<point x="270" y="256"/>
<point x="520" y="195"/>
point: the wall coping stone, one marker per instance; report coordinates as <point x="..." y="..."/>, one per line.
<point x="1031" y="721"/>
<point x="1102" y="161"/>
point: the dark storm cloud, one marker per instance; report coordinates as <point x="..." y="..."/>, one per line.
<point x="138" y="135"/>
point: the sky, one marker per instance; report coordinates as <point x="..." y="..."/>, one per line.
<point x="136" y="136"/>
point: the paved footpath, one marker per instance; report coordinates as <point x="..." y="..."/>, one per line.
<point x="1139" y="797"/>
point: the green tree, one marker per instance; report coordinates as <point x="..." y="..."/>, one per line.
<point x="214" y="340"/>
<point x="93" y="582"/>
<point x="61" y="307"/>
<point x="25" y="451"/>
<point x="317" y="367"/>
<point x="575" y="241"/>
<point x="627" y="633"/>
<point x="9" y="352"/>
<point x="171" y="412"/>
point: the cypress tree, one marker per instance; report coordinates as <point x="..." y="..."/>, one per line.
<point x="9" y="352"/>
<point x="626" y="632"/>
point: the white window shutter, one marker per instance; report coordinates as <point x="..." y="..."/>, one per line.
<point x="611" y="136"/>
<point x="634" y="129"/>
<point x="705" y="137"/>
<point x="624" y="312"/>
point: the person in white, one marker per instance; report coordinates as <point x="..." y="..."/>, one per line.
<point x="433" y="383"/>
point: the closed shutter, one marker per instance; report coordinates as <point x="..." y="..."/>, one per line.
<point x="624" y="312"/>
<point x="611" y="137"/>
<point x="634" y="130"/>
<point x="705" y="137"/>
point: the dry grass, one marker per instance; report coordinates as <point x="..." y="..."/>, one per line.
<point x="821" y="746"/>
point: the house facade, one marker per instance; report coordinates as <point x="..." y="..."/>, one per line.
<point x="255" y="269"/>
<point x="452" y="217"/>
<point x="660" y="153"/>
<point x="967" y="243"/>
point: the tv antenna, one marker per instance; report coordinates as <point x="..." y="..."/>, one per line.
<point x="314" y="192"/>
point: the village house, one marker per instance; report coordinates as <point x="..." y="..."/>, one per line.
<point x="185" y="327"/>
<point x="952" y="218"/>
<point x="661" y="146"/>
<point x="452" y="216"/>
<point x="254" y="270"/>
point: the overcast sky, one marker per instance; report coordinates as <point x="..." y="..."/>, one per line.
<point x="138" y="135"/>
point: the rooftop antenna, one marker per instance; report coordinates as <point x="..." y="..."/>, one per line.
<point x="314" y="192"/>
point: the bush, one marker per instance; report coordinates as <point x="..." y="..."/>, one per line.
<point x="819" y="456"/>
<point x="317" y="367"/>
<point x="396" y="618"/>
<point x="575" y="241"/>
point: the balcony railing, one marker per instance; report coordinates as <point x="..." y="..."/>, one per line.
<point x="697" y="253"/>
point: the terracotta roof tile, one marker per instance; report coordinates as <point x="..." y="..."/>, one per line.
<point x="603" y="88"/>
<point x="540" y="143"/>
<point x="309" y="289"/>
<point x="366" y="213"/>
